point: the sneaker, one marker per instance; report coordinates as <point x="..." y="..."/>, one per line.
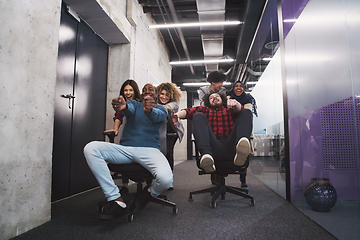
<point x="207" y="163"/>
<point x="244" y="187"/>
<point x="242" y="151"/>
<point x="113" y="209"/>
<point x="142" y="200"/>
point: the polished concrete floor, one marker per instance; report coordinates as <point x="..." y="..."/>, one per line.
<point x="343" y="220"/>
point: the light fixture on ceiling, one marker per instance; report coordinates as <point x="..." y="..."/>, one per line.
<point x="266" y="59"/>
<point x="289" y="20"/>
<point x="228" y="60"/>
<point x="272" y="45"/>
<point x="251" y="83"/>
<point x="199" y="84"/>
<point x="196" y="24"/>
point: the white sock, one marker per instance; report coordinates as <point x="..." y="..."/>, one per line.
<point x="121" y="204"/>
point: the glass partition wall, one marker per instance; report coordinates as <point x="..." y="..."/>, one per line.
<point x="264" y="69"/>
<point x="323" y="87"/>
<point x="320" y="48"/>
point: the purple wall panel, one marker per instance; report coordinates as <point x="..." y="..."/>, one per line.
<point x="322" y="145"/>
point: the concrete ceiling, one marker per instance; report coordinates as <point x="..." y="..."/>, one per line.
<point x="207" y="42"/>
<point x="199" y="42"/>
<point x="92" y="13"/>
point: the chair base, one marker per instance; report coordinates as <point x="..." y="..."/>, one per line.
<point x="221" y="190"/>
<point x="161" y="199"/>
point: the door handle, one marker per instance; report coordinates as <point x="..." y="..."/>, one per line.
<point x="69" y="96"/>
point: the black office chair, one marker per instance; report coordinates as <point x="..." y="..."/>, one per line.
<point x="223" y="169"/>
<point x="140" y="175"/>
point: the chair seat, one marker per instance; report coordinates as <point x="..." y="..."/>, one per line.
<point x="132" y="171"/>
<point x="128" y="168"/>
<point x="229" y="166"/>
<point x="225" y="168"/>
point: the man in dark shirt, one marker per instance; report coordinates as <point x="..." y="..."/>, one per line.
<point x="221" y="129"/>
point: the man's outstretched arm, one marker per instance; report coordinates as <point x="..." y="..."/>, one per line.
<point x="233" y="104"/>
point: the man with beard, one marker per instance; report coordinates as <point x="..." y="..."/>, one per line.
<point x="140" y="144"/>
<point x="221" y="129"/>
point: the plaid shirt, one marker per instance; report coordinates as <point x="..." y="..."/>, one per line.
<point x="221" y="120"/>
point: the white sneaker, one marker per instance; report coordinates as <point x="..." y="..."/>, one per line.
<point x="242" y="151"/>
<point x="207" y="163"/>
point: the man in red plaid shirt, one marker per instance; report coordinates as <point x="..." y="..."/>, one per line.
<point x="221" y="129"/>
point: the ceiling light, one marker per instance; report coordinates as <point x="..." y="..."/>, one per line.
<point x="251" y="82"/>
<point x="196" y="24"/>
<point x="266" y="59"/>
<point x="199" y="84"/>
<point x="202" y="61"/>
<point x="289" y="20"/>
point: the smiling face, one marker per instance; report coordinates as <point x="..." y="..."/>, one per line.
<point x="238" y="89"/>
<point x="216" y="86"/>
<point x="148" y="89"/>
<point x="215" y="100"/>
<point x="128" y="92"/>
<point x="164" y="97"/>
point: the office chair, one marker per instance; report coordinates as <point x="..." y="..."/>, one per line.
<point x="139" y="175"/>
<point x="223" y="169"/>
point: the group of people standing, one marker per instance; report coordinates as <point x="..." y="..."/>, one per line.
<point x="221" y="125"/>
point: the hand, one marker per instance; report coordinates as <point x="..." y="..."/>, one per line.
<point x="112" y="130"/>
<point x="148" y="103"/>
<point x="118" y="103"/>
<point x="234" y="105"/>
<point x="167" y="107"/>
<point x="231" y="103"/>
<point x="175" y="118"/>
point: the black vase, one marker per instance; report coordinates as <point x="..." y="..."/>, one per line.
<point x="320" y="195"/>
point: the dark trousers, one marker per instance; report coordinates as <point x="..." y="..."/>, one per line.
<point x="223" y="149"/>
<point x="170" y="143"/>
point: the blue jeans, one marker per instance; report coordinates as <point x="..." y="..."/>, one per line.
<point x="97" y="154"/>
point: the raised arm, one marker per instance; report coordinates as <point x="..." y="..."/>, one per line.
<point x="233" y="104"/>
<point x="177" y="116"/>
<point x="119" y="103"/>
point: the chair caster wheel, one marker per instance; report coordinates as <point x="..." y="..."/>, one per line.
<point x="213" y="204"/>
<point x="175" y="210"/>
<point x="252" y="202"/>
<point x="129" y="217"/>
<point x="191" y="198"/>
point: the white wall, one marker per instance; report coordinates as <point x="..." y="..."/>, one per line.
<point x="28" y="56"/>
<point x="268" y="95"/>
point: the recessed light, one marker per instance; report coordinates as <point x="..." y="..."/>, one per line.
<point x="202" y="61"/>
<point x="196" y="24"/>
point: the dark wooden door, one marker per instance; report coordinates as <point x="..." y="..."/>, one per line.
<point x="80" y="105"/>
